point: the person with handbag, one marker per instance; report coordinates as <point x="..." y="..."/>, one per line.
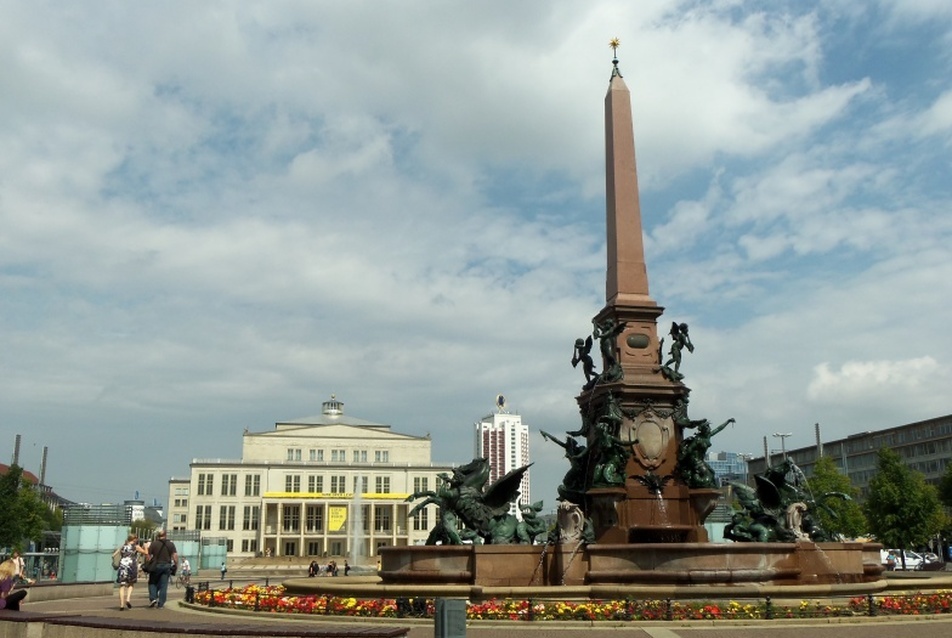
<point x="125" y="561"/>
<point x="10" y="599"/>
<point x="161" y="563"/>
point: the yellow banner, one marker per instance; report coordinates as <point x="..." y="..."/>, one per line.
<point x="336" y="517"/>
<point x="347" y="496"/>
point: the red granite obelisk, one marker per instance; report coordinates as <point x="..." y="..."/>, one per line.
<point x="633" y="397"/>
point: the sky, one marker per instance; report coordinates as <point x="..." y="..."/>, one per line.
<point x="215" y="215"/>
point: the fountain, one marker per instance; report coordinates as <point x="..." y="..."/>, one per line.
<point x="636" y="495"/>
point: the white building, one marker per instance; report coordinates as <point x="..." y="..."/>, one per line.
<point x="502" y="438"/>
<point x="328" y="485"/>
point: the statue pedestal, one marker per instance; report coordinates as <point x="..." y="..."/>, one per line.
<point x="633" y="514"/>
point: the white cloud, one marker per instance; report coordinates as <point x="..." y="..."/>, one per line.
<point x="866" y="380"/>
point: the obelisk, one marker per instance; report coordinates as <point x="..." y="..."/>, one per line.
<point x="630" y="412"/>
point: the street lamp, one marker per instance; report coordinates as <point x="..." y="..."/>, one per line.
<point x="783" y="437"/>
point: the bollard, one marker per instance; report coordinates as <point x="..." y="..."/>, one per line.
<point x="668" y="612"/>
<point x="768" y="611"/>
<point x="870" y="605"/>
<point x="189" y="594"/>
<point x="450" y="618"/>
<point x="257" y="601"/>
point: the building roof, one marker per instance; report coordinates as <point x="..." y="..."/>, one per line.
<point x="333" y="423"/>
<point x="27" y="474"/>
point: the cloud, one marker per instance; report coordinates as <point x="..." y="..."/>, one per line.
<point x="214" y="217"/>
<point x="865" y="380"/>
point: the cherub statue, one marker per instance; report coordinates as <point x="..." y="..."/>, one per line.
<point x="679" y="341"/>
<point x="582" y="355"/>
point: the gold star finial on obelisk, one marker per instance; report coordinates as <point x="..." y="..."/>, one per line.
<point x="614" y="43"/>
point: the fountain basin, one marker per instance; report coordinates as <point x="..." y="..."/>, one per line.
<point x="674" y="564"/>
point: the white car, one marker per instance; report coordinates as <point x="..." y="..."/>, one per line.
<point x="913" y="560"/>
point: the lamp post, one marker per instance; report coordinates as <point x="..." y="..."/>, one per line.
<point x="783" y="437"/>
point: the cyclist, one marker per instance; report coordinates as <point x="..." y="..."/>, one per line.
<point x="186" y="571"/>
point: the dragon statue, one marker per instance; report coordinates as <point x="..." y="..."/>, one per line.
<point x="471" y="511"/>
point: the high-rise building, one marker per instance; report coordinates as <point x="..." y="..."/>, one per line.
<point x="503" y="439"/>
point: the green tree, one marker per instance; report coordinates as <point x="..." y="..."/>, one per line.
<point x="945" y="487"/>
<point x="25" y="515"/>
<point x="902" y="509"/>
<point x="836" y="515"/>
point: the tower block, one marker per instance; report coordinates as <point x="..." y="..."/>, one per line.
<point x="633" y="414"/>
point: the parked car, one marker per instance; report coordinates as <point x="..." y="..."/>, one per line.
<point x="913" y="561"/>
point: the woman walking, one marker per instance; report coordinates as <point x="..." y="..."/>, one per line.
<point x="128" y="569"/>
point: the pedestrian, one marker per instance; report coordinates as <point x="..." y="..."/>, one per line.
<point x="162" y="555"/>
<point x="346" y="568"/>
<point x="312" y="569"/>
<point x="128" y="571"/>
<point x="10" y="599"/>
<point x="21" y="565"/>
<point x="224" y="570"/>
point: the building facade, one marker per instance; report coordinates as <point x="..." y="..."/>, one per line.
<point x="924" y="446"/>
<point x="329" y="485"/>
<point x="503" y="439"/>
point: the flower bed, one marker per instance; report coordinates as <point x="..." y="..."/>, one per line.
<point x="272" y="599"/>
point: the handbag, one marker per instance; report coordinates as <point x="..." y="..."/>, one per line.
<point x="116" y="558"/>
<point x="149" y="564"/>
<point x="174" y="569"/>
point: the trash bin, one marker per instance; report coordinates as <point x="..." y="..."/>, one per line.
<point x="450" y="618"/>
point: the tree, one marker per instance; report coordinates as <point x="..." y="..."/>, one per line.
<point x="902" y="509"/>
<point x="837" y="516"/>
<point x="25" y="515"/>
<point x="945" y="487"/>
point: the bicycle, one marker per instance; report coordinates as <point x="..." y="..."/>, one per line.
<point x="183" y="580"/>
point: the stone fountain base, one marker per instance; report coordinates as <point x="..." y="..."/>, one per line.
<point x="677" y="570"/>
<point x="750" y="567"/>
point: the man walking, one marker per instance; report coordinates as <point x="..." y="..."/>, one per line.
<point x="163" y="555"/>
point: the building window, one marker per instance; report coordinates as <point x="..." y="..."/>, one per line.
<point x="361" y="483"/>
<point x="291" y="518"/>
<point x="382" y="456"/>
<point x="292" y="483"/>
<point x="252" y="485"/>
<point x="294" y="454"/>
<point x="338" y="456"/>
<point x="203" y="517"/>
<point x="382" y="518"/>
<point x="316" y="455"/>
<point x="205" y="484"/>
<point x="315" y="483"/>
<point x="249" y="545"/>
<point x="421" y="483"/>
<point x="314" y="548"/>
<point x="421" y="520"/>
<point x="229" y="484"/>
<point x="250" y="520"/>
<point x="290" y="548"/>
<point x="360" y="456"/>
<point x="382" y="484"/>
<point x="338" y="484"/>
<point x="314" y="518"/>
<point x="226" y="517"/>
